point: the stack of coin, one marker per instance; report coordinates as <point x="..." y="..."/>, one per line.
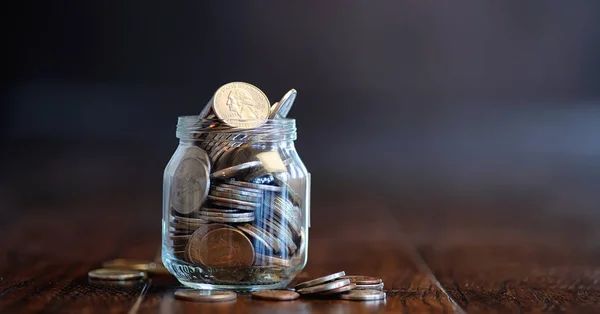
<point x="340" y="285"/>
<point x="231" y="203"/>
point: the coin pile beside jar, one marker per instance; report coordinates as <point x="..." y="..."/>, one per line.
<point x="236" y="194"/>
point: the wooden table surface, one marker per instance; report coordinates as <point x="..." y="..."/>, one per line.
<point x="496" y="251"/>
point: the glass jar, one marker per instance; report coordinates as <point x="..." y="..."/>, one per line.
<point x="235" y="206"/>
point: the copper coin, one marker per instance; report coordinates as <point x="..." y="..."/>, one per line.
<point x="363" y="280"/>
<point x="205" y="295"/>
<point x="226" y="247"/>
<point x="340" y="289"/>
<point x="320" y="280"/>
<point x="231" y="201"/>
<point x="193" y="247"/>
<point x="276" y="295"/>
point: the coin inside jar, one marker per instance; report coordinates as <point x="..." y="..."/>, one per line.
<point x="275" y="295"/>
<point x="226" y="247"/>
<point x="190" y="185"/>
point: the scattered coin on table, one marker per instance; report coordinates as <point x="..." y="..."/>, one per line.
<point x="363" y="295"/>
<point x="116" y="274"/>
<point x="276" y="295"/>
<point x="319" y="280"/>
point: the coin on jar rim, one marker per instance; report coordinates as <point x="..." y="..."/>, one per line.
<point x="320" y="280"/>
<point x="232" y="171"/>
<point x="364" y="280"/>
<point x="286" y="103"/>
<point x="190" y="185"/>
<point x="241" y="105"/>
<point x="274" y="109"/>
<point x="363" y="295"/>
<point x="275" y="295"/>
<point x="340" y="289"/>
<point x="327" y="286"/>
<point x="116" y="274"/>
<point x="226" y="247"/>
<point x="205" y="295"/>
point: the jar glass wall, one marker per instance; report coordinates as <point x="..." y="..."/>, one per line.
<point x="235" y="206"/>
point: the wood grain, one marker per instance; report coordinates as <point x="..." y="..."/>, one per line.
<point x="483" y="253"/>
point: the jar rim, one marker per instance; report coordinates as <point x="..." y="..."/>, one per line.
<point x="193" y="128"/>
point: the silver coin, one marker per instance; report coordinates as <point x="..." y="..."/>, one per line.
<point x="234" y="206"/>
<point x="241" y="105"/>
<point x="221" y="210"/>
<point x="205" y="295"/>
<point x="265" y="260"/>
<point x="230" y="219"/>
<point x="231" y="201"/>
<point x="247" y="229"/>
<point x="234" y="170"/>
<point x="207" y="110"/>
<point x="327" y="286"/>
<point x="237" y="190"/>
<point x="235" y="196"/>
<point x="363" y="295"/>
<point x="320" y="280"/>
<point x="226" y="215"/>
<point x="190" y="185"/>
<point x="257" y="186"/>
<point x="280" y="232"/>
<point x="270" y="239"/>
<point x="286" y="103"/>
<point x="378" y="286"/>
<point x="116" y="274"/>
<point x="340" y="289"/>
<point x="274" y="109"/>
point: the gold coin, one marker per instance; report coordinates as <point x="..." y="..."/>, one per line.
<point x="116" y="274"/>
<point x="205" y="295"/>
<point x="275" y="295"/>
<point x="226" y="247"/>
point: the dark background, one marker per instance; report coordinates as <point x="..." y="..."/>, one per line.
<point x="393" y="96"/>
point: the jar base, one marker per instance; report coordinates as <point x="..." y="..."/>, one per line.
<point x="250" y="279"/>
<point x="207" y="286"/>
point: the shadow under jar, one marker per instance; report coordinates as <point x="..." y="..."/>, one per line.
<point x="235" y="206"/>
